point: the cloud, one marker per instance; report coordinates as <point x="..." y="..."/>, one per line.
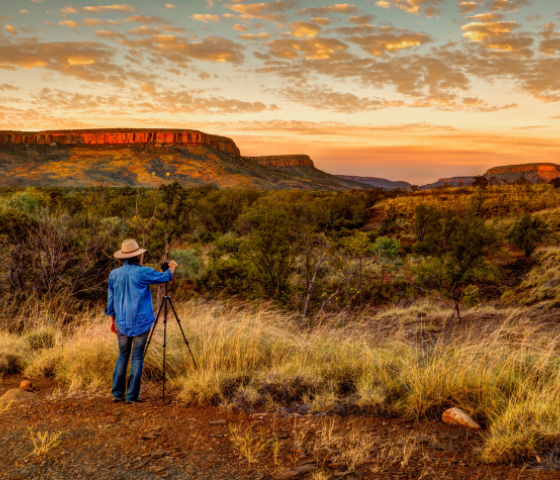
<point x="205" y="18"/>
<point x="508" y="5"/>
<point x="94" y="22"/>
<point x="239" y="28"/>
<point x="273" y="11"/>
<point x="108" y="8"/>
<point x="11" y="29"/>
<point x="147" y="20"/>
<point x="6" y="86"/>
<point x="171" y="6"/>
<point x="343" y="8"/>
<point x="24" y="11"/>
<point x="532" y="127"/>
<point x="362" y="19"/>
<point x="385" y="39"/>
<point x="69" y="23"/>
<point x="181" y="51"/>
<point x="310" y="49"/>
<point x="430" y="8"/>
<point x="322" y="97"/>
<point x="303" y="29"/>
<point x="321" y="21"/>
<point x="466" y="7"/>
<point x="550" y="46"/>
<point x="254" y="36"/>
<point x="90" y="61"/>
<point x="498" y="37"/>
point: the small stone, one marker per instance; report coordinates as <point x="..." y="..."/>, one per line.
<point x="160" y="469"/>
<point x="158" y="454"/>
<point x="218" y="422"/>
<point x="150" y="436"/>
<point x="284" y="474"/>
<point x="456" y="416"/>
<point x="26" y="385"/>
<point x="341" y="474"/>
<point x="338" y="464"/>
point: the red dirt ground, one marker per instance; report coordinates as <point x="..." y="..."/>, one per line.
<point x="102" y="440"/>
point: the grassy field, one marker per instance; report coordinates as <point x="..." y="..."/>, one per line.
<point x="504" y="374"/>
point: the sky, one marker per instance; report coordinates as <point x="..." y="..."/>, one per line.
<point x="411" y="90"/>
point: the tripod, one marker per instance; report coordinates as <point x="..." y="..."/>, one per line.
<point x="163" y="306"/>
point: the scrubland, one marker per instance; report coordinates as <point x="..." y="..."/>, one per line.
<point x="504" y="374"/>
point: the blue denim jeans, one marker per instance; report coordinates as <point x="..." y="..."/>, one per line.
<point x="136" y="345"/>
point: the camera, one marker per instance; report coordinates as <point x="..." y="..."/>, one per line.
<point x="165" y="266"/>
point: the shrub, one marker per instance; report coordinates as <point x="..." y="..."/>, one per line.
<point x="527" y="232"/>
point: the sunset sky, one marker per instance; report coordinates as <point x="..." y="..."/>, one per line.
<point x="407" y="90"/>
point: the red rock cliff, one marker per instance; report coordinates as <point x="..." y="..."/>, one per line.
<point x="284" y="161"/>
<point x="121" y="137"/>
<point x="534" y="167"/>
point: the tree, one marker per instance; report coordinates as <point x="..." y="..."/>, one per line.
<point x="358" y="247"/>
<point x="527" y="232"/>
<point x="414" y="188"/>
<point x="555" y="182"/>
<point x="480" y="181"/>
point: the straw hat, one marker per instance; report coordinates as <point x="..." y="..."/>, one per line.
<point x="129" y="249"/>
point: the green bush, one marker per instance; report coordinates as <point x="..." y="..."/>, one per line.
<point x="527" y="232"/>
<point x="189" y="263"/>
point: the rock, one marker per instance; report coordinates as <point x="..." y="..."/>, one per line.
<point x="341" y="474"/>
<point x="284" y="161"/>
<point x="16" y="395"/>
<point x="150" y="436"/>
<point x="456" y="416"/>
<point x="121" y="136"/>
<point x="159" y="453"/>
<point x="26" y="385"/>
<point x="218" y="422"/>
<point x="305" y="468"/>
<point x="338" y="465"/>
<point x="284" y="474"/>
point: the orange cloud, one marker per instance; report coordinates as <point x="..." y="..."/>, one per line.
<point x="273" y="11"/>
<point x="94" y="22"/>
<point x="343" y="8"/>
<point x="205" y="18"/>
<point x="321" y="20"/>
<point x="430" y="8"/>
<point x="303" y="29"/>
<point x="114" y="7"/>
<point x="466" y="7"/>
<point x="384" y="39"/>
<point x="498" y="37"/>
<point x="11" y="29"/>
<point x="239" y="28"/>
<point x="322" y="97"/>
<point x="69" y="23"/>
<point x="254" y="36"/>
<point x="311" y="49"/>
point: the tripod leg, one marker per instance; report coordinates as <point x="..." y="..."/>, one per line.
<point x="152" y="332"/>
<point x="183" y="333"/>
<point x="165" y="300"/>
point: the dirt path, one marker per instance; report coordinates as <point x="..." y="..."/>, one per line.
<point x="102" y="440"/>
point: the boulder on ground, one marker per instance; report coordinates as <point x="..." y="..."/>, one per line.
<point x="26" y="385"/>
<point x="456" y="416"/>
<point x="16" y="395"/>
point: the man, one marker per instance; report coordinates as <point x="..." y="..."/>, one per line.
<point x="132" y="315"/>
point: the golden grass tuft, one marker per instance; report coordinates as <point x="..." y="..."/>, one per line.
<point x="44" y="442"/>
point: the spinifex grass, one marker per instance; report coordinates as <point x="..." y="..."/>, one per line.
<point x="506" y="374"/>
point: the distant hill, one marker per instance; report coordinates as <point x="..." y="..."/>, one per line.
<point x="534" y="172"/>
<point x="376" y="182"/>
<point x="119" y="157"/>
<point x="454" y="181"/>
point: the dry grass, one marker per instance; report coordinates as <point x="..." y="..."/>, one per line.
<point x="247" y="443"/>
<point x="507" y="377"/>
<point x="44" y="442"/>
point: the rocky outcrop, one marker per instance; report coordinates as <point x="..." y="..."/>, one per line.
<point x="286" y="161"/>
<point x="534" y="172"/>
<point x="376" y="182"/>
<point x="454" y="181"/>
<point x="121" y="137"/>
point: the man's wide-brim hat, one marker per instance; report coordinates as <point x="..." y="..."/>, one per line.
<point x="129" y="249"/>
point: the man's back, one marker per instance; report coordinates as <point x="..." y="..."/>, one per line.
<point x="130" y="298"/>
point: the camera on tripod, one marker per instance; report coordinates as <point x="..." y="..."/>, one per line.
<point x="165" y="266"/>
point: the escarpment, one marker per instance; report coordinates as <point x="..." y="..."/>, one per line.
<point x="121" y="137"/>
<point x="145" y="157"/>
<point x="534" y="172"/>
<point x="285" y="161"/>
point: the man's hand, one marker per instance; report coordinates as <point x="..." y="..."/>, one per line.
<point x="113" y="325"/>
<point x="172" y="266"/>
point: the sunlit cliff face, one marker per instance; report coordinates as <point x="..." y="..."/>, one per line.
<point x="403" y="89"/>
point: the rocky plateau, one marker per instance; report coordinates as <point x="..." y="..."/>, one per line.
<point x="120" y="157"/>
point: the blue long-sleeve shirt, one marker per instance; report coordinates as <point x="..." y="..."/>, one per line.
<point x="129" y="297"/>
